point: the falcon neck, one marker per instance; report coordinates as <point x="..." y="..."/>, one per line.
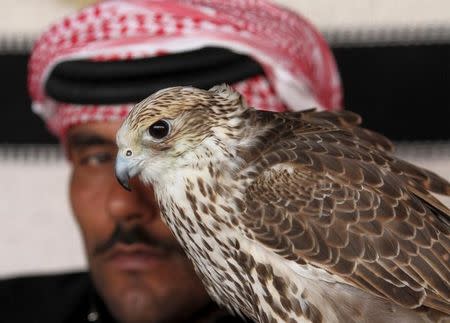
<point x="205" y="196"/>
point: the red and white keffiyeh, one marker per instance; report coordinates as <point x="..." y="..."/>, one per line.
<point x="299" y="67"/>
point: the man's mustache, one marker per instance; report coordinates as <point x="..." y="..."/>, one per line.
<point x="136" y="234"/>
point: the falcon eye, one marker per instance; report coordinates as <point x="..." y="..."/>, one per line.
<point x="159" y="129"/>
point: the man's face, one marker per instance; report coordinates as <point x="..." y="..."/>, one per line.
<point x="136" y="265"/>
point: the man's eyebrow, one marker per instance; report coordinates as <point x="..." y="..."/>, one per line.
<point x="80" y="140"/>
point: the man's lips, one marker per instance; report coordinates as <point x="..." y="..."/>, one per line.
<point x="135" y="257"/>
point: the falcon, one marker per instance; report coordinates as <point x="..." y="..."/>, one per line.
<point x="293" y="216"/>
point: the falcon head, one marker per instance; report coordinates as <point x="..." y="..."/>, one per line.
<point x="175" y="128"/>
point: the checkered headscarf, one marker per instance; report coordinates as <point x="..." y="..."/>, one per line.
<point x="299" y="70"/>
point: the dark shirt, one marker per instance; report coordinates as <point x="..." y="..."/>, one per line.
<point x="64" y="298"/>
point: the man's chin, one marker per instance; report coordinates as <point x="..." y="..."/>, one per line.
<point x="135" y="295"/>
<point x="134" y="305"/>
<point x="148" y="290"/>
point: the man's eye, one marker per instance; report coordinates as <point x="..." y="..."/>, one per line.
<point x="96" y="159"/>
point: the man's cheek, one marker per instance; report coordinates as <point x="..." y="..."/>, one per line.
<point x="86" y="195"/>
<point x="87" y="213"/>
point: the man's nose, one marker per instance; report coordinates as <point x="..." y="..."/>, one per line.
<point x="139" y="205"/>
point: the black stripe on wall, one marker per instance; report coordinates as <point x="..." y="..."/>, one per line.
<point x="401" y="91"/>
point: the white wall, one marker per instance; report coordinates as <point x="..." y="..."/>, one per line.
<point x="37" y="232"/>
<point x="32" y="16"/>
<point x="330" y="14"/>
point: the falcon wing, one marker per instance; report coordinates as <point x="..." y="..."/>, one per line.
<point x="337" y="200"/>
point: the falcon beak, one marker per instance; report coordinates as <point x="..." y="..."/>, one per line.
<point x="123" y="171"/>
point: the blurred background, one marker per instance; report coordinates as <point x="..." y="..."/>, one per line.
<point x="394" y="60"/>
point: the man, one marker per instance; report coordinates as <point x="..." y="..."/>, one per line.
<point x="85" y="73"/>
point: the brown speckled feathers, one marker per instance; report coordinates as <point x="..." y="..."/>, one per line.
<point x="331" y="194"/>
<point x="293" y="216"/>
